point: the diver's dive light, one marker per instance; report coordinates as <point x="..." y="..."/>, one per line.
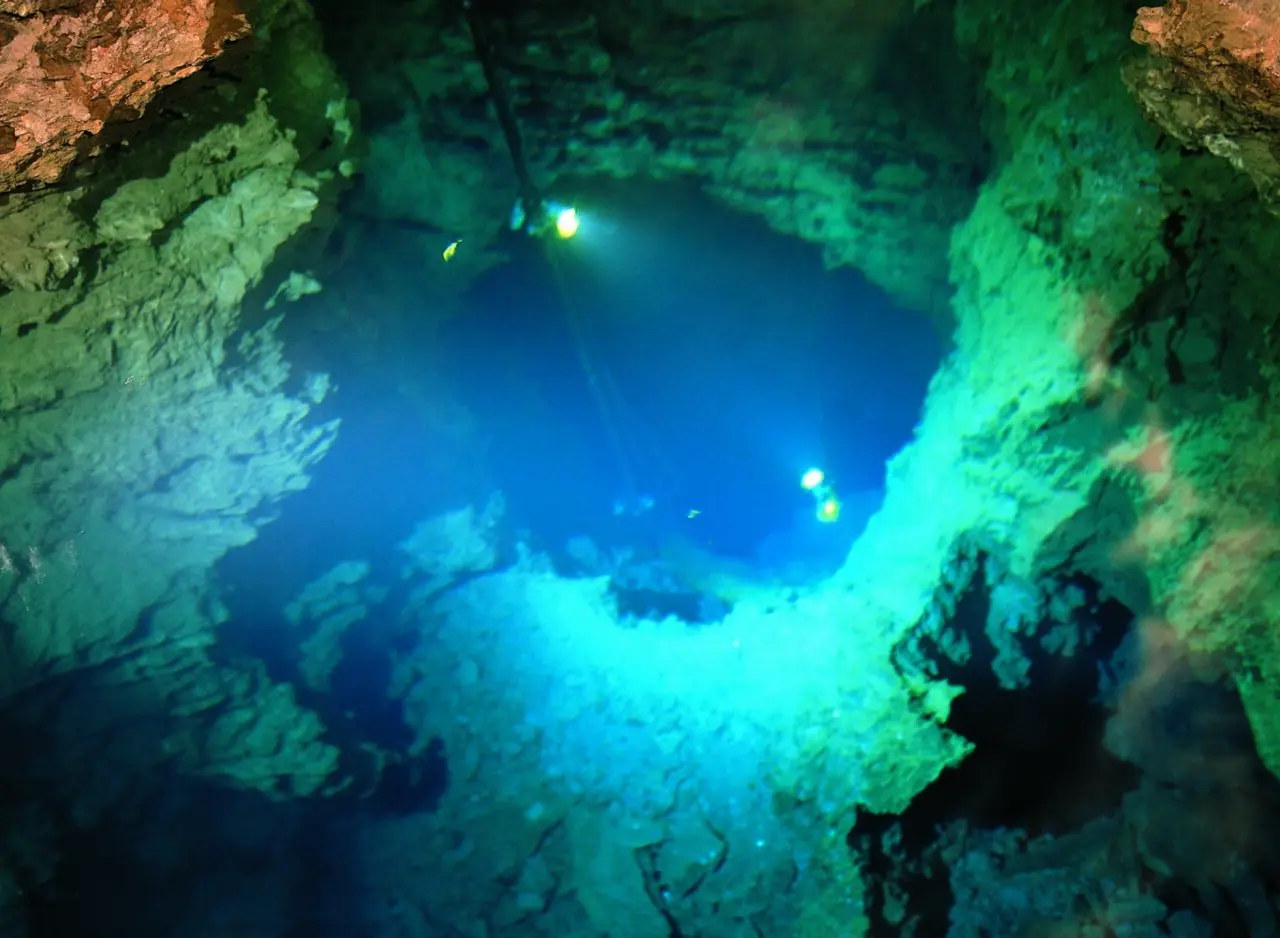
<point x="546" y="216"/>
<point x="815" y="482"/>
<point x="812" y="479"/>
<point x="531" y="212"/>
<point x="567" y="222"/>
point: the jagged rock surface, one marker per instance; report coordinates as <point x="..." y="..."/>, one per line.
<point x="851" y="152"/>
<point x="133" y="457"/>
<point x="1213" y="81"/>
<point x="145" y="425"/>
<point x="67" y="69"/>
<point x="1125" y="279"/>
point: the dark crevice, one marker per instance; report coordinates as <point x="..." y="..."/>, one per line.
<point x="687" y="605"/>
<point x="1039" y="763"/>
<point x="1182" y="820"/>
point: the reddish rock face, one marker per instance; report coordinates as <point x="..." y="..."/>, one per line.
<point x="1230" y="48"/>
<point x="66" y="66"/>
<point x="1214" y="81"/>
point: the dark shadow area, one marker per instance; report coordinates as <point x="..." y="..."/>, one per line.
<point x="139" y="848"/>
<point x="123" y="879"/>
<point x="687" y="605"/>
<point x="1039" y="763"/>
<point x="361" y="718"/>
<point x="107" y="838"/>
<point x="1185" y="816"/>
<point x="226" y="862"/>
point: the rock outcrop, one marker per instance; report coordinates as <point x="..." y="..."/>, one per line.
<point x="68" y="69"/>
<point x="145" y="424"/>
<point x="1213" y="81"/>
<point x="852" y="152"/>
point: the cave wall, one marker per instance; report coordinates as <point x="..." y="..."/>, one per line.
<point x="863" y="149"/>
<point x="146" y="425"/>
<point x="1107" y="409"/>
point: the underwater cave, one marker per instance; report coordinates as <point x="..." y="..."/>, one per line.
<point x="638" y="470"/>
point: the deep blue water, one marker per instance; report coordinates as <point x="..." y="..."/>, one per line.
<point x="725" y="360"/>
<point x="673" y="348"/>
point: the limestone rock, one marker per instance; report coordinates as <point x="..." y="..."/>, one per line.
<point x="134" y="455"/>
<point x="849" y="153"/>
<point x="66" y="70"/>
<point x="1213" y="81"/>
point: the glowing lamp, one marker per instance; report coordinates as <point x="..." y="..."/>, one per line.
<point x="829" y="510"/>
<point x="812" y="479"/>
<point x="567" y="222"/>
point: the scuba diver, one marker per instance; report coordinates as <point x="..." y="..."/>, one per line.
<point x="531" y="213"/>
<point x="538" y="216"/>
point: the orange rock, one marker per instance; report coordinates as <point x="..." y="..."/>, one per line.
<point x="1229" y="48"/>
<point x="67" y="66"/>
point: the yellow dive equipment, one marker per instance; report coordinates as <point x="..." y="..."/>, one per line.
<point x="814" y="481"/>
